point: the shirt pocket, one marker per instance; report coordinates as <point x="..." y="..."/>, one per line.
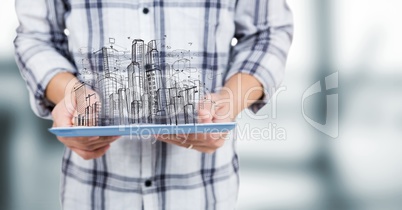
<point x="189" y="24"/>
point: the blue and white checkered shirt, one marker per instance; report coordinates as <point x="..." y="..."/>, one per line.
<point x="136" y="173"/>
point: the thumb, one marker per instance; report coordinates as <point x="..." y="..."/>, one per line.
<point x="73" y="116"/>
<point x="63" y="119"/>
<point x="63" y="115"/>
<point x="204" y="116"/>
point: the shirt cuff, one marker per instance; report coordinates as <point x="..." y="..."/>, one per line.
<point x="45" y="66"/>
<point x="266" y="68"/>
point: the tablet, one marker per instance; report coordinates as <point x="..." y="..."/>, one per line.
<point x="144" y="129"/>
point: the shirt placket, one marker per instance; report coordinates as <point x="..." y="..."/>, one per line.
<point x="146" y="29"/>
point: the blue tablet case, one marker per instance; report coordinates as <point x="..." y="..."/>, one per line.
<point x="144" y="129"/>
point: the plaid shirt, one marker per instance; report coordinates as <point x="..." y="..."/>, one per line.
<point x="137" y="173"/>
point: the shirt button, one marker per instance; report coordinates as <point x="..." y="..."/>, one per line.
<point x="148" y="183"/>
<point x="145" y="10"/>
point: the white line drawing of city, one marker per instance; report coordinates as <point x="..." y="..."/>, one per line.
<point x="133" y="89"/>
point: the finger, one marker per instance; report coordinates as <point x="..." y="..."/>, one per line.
<point x="91" y="138"/>
<point x="79" y="138"/>
<point x="102" y="140"/>
<point x="88" y="155"/>
<point x="84" y="142"/>
<point x="173" y="137"/>
<point x="93" y="147"/>
<point x="88" y="146"/>
<point x="73" y="118"/>
<point x="208" y="104"/>
<point x="62" y="119"/>
<point x="64" y="113"/>
<point x="199" y="148"/>
<point x="205" y="116"/>
<point x="106" y="138"/>
<point x="223" y="115"/>
<point x="203" y="136"/>
<point x="178" y="139"/>
<point x="186" y="145"/>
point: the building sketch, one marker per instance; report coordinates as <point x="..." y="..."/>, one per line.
<point x="135" y="88"/>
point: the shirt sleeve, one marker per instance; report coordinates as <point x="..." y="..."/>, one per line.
<point x="41" y="48"/>
<point x="264" y="30"/>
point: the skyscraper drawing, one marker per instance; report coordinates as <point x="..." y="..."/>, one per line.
<point x="139" y="93"/>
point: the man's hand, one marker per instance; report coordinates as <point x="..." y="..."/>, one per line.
<point x="219" y="111"/>
<point x="86" y="147"/>
<point x="240" y="91"/>
<point x="59" y="91"/>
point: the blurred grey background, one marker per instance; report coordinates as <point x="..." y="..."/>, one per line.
<point x="300" y="169"/>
